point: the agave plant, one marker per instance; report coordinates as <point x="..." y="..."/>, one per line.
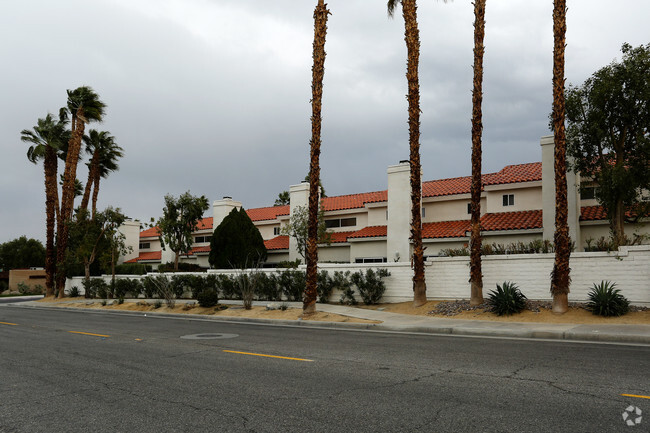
<point x="606" y="300"/>
<point x="507" y="299"/>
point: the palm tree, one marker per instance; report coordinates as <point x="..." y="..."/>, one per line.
<point x="475" y="273"/>
<point x="412" y="38"/>
<point x="83" y="106"/>
<point x="560" y="279"/>
<point x="105" y="153"/>
<point x="318" y="72"/>
<point x="46" y="138"/>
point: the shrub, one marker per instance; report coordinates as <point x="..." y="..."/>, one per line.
<point x="324" y="287"/>
<point x="73" y="292"/>
<point x="95" y="288"/>
<point x="127" y="285"/>
<point x="506" y="300"/>
<point x="157" y="304"/>
<point x="132" y="269"/>
<point x="208" y="298"/>
<point x="245" y="283"/>
<point x="182" y="267"/>
<point x="38" y="289"/>
<point x="370" y="286"/>
<point x="149" y="288"/>
<point x="24" y="289"/>
<point x="266" y="287"/>
<point x="165" y="289"/>
<point x="186" y="283"/>
<point x="228" y="288"/>
<point x="292" y="284"/>
<point x="606" y="300"/>
<point x="4" y="285"/>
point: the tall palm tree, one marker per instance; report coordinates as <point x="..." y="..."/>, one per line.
<point x="83" y="106"/>
<point x="318" y="72"/>
<point x="46" y="139"/>
<point x="412" y="38"/>
<point x="560" y="279"/>
<point x="475" y="272"/>
<point x="105" y="153"/>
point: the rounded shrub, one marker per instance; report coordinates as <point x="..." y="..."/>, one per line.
<point x="506" y="300"/>
<point x="208" y="298"/>
<point x="606" y="300"/>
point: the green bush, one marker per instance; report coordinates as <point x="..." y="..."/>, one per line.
<point x="73" y="292"/>
<point x="95" y="288"/>
<point x="292" y="284"/>
<point x="150" y="290"/>
<point x="266" y="287"/>
<point x="208" y="298"/>
<point x="324" y="287"/>
<point x="228" y="288"/>
<point x="606" y="300"/>
<point x="182" y="267"/>
<point x="506" y="299"/>
<point x="124" y="286"/>
<point x="370" y="286"/>
<point x="24" y="289"/>
<point x="132" y="269"/>
<point x="186" y="283"/>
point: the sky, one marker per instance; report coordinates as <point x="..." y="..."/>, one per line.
<point x="213" y="96"/>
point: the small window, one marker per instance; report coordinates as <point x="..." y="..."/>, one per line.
<point x="276" y="231"/>
<point x="348" y="222"/>
<point x="386" y="215"/>
<point x="371" y="260"/>
<point x="201" y="239"/>
<point x="332" y="224"/>
<point x="145" y="245"/>
<point x="508" y="199"/>
<point x="469" y="208"/>
<point x="588" y="193"/>
<point x="343" y="222"/>
<point x="424" y="213"/>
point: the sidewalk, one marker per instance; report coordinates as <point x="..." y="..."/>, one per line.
<point x="635" y="334"/>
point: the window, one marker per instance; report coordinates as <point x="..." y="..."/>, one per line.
<point x="371" y="260"/>
<point x="508" y="199"/>
<point x="588" y="193"/>
<point x="343" y="222"/>
<point x="201" y="239"/>
<point x="145" y="245"/>
<point x="469" y="208"/>
<point x="424" y="212"/>
<point x="276" y="231"/>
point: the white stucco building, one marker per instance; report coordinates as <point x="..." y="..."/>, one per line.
<point x="517" y="204"/>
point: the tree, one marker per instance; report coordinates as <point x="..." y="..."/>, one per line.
<point x="283" y="199"/>
<point x="115" y="242"/>
<point x="89" y="237"/>
<point x="236" y="243"/>
<point x="298" y="229"/>
<point x="105" y="153"/>
<point x="608" y="135"/>
<point x="46" y="138"/>
<point x="83" y="106"/>
<point x="180" y="218"/>
<point x="560" y="278"/>
<point x="318" y="72"/>
<point x="476" y="275"/>
<point x="21" y="253"/>
<point x="412" y="38"/>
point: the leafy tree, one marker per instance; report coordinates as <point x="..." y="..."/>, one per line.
<point x="46" y="139"/>
<point x="609" y="135"/>
<point x="298" y="229"/>
<point x="475" y="273"/>
<point x="283" y="199"/>
<point x="90" y="238"/>
<point x="180" y="218"/>
<point x="115" y="240"/>
<point x="21" y="253"/>
<point x="412" y="39"/>
<point x="318" y="72"/>
<point x="83" y="106"/>
<point x="560" y="278"/>
<point x="236" y="243"/>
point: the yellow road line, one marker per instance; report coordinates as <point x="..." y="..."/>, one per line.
<point x="7" y="323"/>
<point x="636" y="396"/>
<point x="88" y="333"/>
<point x="269" y="356"/>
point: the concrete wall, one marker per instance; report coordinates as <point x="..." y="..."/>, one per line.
<point x="375" y="248"/>
<point x="30" y="277"/>
<point x="451" y="209"/>
<point x="447" y="276"/>
<point x="527" y="198"/>
<point x="131" y="232"/>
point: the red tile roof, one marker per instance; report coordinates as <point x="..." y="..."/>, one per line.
<point x="205" y="224"/>
<point x="267" y="213"/>
<point x="524" y="220"/>
<point x="370" y="232"/>
<point x="277" y="243"/>
<point x="198" y="250"/>
<point x="340" y="237"/>
<point x="461" y="185"/>
<point x="598" y="213"/>
<point x="353" y="201"/>
<point x="152" y="255"/>
<point x="149" y="233"/>
<point x="445" y="229"/>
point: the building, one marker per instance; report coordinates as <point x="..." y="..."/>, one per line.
<point x="517" y="205"/>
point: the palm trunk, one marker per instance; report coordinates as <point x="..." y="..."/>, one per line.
<point x="67" y="199"/>
<point x="318" y="72"/>
<point x="616" y="224"/>
<point x="560" y="278"/>
<point x="50" y="167"/>
<point x="412" y="38"/>
<point x="92" y="167"/>
<point x="95" y="193"/>
<point x="476" y="275"/>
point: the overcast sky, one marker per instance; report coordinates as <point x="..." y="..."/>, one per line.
<point x="213" y="96"/>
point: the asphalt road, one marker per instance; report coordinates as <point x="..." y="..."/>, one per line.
<point x="138" y="375"/>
